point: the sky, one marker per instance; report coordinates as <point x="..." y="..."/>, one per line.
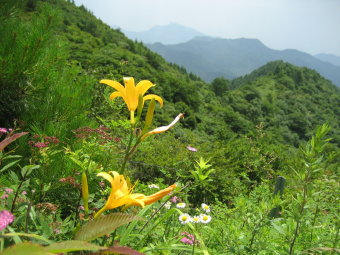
<point x="312" y="26"/>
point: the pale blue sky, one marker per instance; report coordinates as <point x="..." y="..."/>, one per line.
<point x="312" y="26"/>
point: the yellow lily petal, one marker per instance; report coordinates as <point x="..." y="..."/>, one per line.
<point x="131" y="93"/>
<point x="163" y="128"/>
<point x="157" y="98"/>
<point x="146" y="200"/>
<point x="115" y="94"/>
<point x="121" y="193"/>
<point x="114" y="84"/>
<point x="160" y="194"/>
<point x="144" y="86"/>
<point x="106" y="176"/>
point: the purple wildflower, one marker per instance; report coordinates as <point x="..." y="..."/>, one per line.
<point x="191" y="149"/>
<point x="6" y="218"/>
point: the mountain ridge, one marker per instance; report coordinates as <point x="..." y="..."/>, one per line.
<point x="232" y="58"/>
<point x="171" y="33"/>
<point x="333" y="59"/>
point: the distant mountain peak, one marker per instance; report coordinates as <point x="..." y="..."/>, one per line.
<point x="171" y="33"/>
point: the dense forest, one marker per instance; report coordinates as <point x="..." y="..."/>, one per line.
<point x="256" y="158"/>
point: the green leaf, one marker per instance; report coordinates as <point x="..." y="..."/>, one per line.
<point x="278" y="228"/>
<point x="127" y="232"/>
<point x="27" y="235"/>
<point x="9" y="165"/>
<point x="26" y="249"/>
<point x="73" y="245"/>
<point x="103" y="225"/>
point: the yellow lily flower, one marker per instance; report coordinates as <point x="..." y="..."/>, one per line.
<point x="130" y="93"/>
<point x="163" y="128"/>
<point x="147" y="200"/>
<point x="121" y="194"/>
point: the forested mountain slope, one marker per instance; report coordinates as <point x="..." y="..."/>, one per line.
<point x="290" y="101"/>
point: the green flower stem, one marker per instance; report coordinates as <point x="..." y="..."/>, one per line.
<point x="17" y="192"/>
<point x="127" y="151"/>
<point x="99" y="212"/>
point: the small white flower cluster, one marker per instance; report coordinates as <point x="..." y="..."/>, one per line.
<point x="167" y="205"/>
<point x="202" y="218"/>
<point x="153" y="186"/>
<point x="206" y="208"/>
<point x="181" y="205"/>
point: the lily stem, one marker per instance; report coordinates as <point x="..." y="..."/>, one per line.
<point x="127" y="151"/>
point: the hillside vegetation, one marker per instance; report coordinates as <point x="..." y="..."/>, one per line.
<point x="255" y="158"/>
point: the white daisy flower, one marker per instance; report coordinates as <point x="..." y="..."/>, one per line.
<point x="196" y="219"/>
<point x="153" y="186"/>
<point x="206" y="208"/>
<point x="185" y="218"/>
<point x="205" y="218"/>
<point x="167" y="205"/>
<point x="180" y="205"/>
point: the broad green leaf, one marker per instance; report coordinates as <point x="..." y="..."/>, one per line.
<point x="26" y="249"/>
<point x="103" y="225"/>
<point x="73" y="245"/>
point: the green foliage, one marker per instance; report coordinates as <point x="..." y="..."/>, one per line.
<point x="249" y="128"/>
<point x="220" y="86"/>
<point x="103" y="225"/>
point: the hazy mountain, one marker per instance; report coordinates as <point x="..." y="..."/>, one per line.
<point x="335" y="60"/>
<point x="169" y="34"/>
<point x="212" y="57"/>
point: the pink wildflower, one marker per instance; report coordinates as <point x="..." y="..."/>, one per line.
<point x="191" y="149"/>
<point x="8" y="190"/>
<point x="81" y="208"/>
<point x="188" y="238"/>
<point x="187" y="241"/>
<point x="24" y="192"/>
<point x="4" y="196"/>
<point x="52" y="139"/>
<point x="173" y="199"/>
<point x="62" y="179"/>
<point x="102" y="184"/>
<point x="6" y="218"/>
<point x="57" y="231"/>
<point x="3" y="130"/>
<point x="41" y="144"/>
